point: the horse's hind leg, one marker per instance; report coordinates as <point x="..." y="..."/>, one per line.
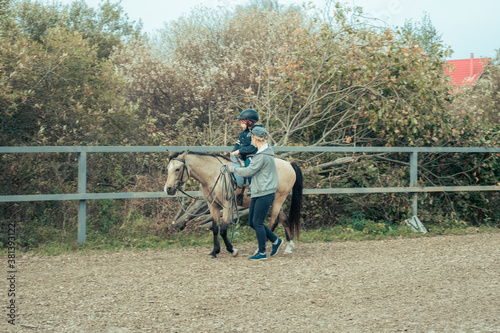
<point x="279" y="216"/>
<point x="284" y="221"/>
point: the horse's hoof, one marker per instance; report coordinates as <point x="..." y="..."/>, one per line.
<point x="211" y="256"/>
<point x="235" y="253"/>
<point x="289" y="248"/>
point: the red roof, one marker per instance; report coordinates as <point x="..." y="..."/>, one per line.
<point x="466" y="71"/>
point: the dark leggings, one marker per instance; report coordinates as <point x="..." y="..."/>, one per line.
<point x="259" y="207"/>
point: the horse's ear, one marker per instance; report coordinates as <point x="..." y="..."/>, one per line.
<point x="183" y="155"/>
<point x="170" y="154"/>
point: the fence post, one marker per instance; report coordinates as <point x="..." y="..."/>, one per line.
<point x="82" y="188"/>
<point x="414" y="222"/>
<point x="414" y="181"/>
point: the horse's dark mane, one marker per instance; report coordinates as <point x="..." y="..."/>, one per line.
<point x="175" y="155"/>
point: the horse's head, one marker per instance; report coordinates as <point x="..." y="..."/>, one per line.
<point x="178" y="173"/>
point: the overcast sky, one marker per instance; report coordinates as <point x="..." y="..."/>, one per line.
<point x="467" y="26"/>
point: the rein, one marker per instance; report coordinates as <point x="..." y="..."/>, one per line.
<point x="228" y="188"/>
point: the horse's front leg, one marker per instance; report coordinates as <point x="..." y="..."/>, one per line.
<point x="226" y="220"/>
<point x="215" y="212"/>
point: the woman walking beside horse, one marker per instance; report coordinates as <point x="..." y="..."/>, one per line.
<point x="265" y="180"/>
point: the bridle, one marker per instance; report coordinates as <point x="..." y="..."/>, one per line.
<point x="181" y="178"/>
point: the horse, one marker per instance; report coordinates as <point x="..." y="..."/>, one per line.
<point x="206" y="169"/>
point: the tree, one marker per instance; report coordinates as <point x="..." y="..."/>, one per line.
<point x="5" y="14"/>
<point x="55" y="76"/>
<point x="106" y="27"/>
<point x="56" y="88"/>
<point x="424" y="34"/>
<point x="58" y="91"/>
<point x="202" y="69"/>
<point x="342" y="84"/>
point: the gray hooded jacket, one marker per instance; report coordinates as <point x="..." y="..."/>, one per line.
<point x="263" y="171"/>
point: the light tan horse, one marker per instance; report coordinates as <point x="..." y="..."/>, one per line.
<point x="206" y="169"/>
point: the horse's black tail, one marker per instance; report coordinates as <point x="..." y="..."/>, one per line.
<point x="296" y="205"/>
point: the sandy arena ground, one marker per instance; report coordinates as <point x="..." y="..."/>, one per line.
<point x="430" y="284"/>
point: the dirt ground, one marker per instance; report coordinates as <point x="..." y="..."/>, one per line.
<point x="429" y="284"/>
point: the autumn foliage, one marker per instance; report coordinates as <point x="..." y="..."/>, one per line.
<point x="83" y="76"/>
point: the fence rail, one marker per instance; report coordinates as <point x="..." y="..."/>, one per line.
<point x="305" y="149"/>
<point x="82" y="196"/>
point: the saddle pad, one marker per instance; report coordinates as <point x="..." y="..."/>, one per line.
<point x="239" y="180"/>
